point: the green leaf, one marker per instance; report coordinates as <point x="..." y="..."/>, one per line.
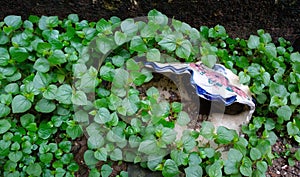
<point x="224" y="135"/>
<point x="297" y="154"/>
<point x="189" y="142"/>
<point x="276" y="101"/>
<point x="264" y="147"/>
<point x="73" y="17"/>
<point x="183" y="118"/>
<point x="295" y="57"/>
<point x="89" y="33"/>
<point x="89" y="158"/>
<point x="95" y="141"/>
<point x="242" y="62"/>
<point x="118" y="60"/>
<point x="103" y="116"/>
<point x="215" y="170"/>
<point x="64" y="94"/>
<point x="153" y="55"/>
<point x="106" y="170"/>
<point x="19" y="54"/>
<point x="114" y="102"/>
<point x="20" y="104"/>
<point x="129" y="27"/>
<point x="271" y="137"/>
<point x="94" y="173"/>
<point x="254" y="70"/>
<point x="277" y="90"/>
<point x="45" y="130"/>
<point x="42" y="65"/>
<point x="179" y="157"/>
<point x="116" y="155"/>
<point x="244" y="78"/>
<point x="253" y="42"/>
<point x="265" y="37"/>
<point x="13" y="21"/>
<point x="270" y="50"/>
<point x="79" y="98"/>
<point x="15" y="156"/>
<point x="74" y="131"/>
<point x="50" y="92"/>
<point x="292" y="129"/>
<point x="150" y="30"/>
<point x="138" y="77"/>
<point x="168" y="42"/>
<point x="231" y="167"/>
<point x="207" y="130"/>
<point x="129" y="106"/>
<point x="157" y="17"/>
<point x="235" y="155"/>
<point x="46" y="158"/>
<point x="193" y="171"/>
<point x="168" y="135"/>
<point x="57" y="57"/>
<point x="3" y="38"/>
<point x="41" y="80"/>
<point x="4" y="57"/>
<point x="137" y="44"/>
<point x="284" y="112"/>
<point x="233" y="161"/>
<point x="184" y="49"/>
<point x="266" y="78"/>
<point x="209" y="60"/>
<point x="81" y="116"/>
<point x="45" y="106"/>
<point x="116" y="134"/>
<point x="176" y="107"/>
<point x="295" y="98"/>
<point x="12" y="88"/>
<point x="255" y="154"/>
<point x="43" y="47"/>
<point x="262" y="166"/>
<point x="148" y="147"/>
<point x="4" y="110"/>
<point x="120" y="38"/>
<point x="48" y="22"/>
<point x="34" y="169"/>
<point x="194" y="159"/>
<point x="88" y="81"/>
<point x="101" y="154"/>
<point x="132" y="65"/>
<point x="246" y="167"/>
<point x="120" y="83"/>
<point x="103" y="26"/>
<point x="65" y="146"/>
<point x="107" y="73"/>
<point x="170" y="169"/>
<point x="217" y="31"/>
<point x="158" y="112"/>
<point x="153" y="92"/>
<point x="27" y="119"/>
<point x="4" y="126"/>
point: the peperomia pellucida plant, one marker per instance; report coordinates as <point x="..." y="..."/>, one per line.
<point x="45" y="88"/>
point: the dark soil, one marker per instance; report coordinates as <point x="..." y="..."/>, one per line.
<point x="280" y="18"/>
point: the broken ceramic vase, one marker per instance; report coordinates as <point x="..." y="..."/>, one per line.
<point x="219" y="86"/>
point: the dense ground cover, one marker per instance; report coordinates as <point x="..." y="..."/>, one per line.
<point x="40" y="128"/>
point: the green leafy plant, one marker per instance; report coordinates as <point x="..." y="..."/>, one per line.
<point x="47" y="81"/>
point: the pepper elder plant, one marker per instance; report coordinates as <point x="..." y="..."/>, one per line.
<point x="64" y="79"/>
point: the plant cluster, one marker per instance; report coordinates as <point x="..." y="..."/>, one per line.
<point x="52" y="92"/>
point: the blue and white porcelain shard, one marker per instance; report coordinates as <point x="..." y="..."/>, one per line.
<point x="216" y="84"/>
